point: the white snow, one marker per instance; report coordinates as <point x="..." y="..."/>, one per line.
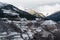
<point x="38" y="30"/>
<point x="48" y="22"/>
<point x="25" y="36"/>
<point x="21" y="8"/>
<point x="30" y="34"/>
<point x="12" y="33"/>
<point x="4" y="33"/>
<point x="9" y="12"/>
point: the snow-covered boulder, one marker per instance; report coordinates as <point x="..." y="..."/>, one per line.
<point x="48" y="22"/>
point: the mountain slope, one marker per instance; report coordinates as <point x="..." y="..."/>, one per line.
<point x="35" y="13"/>
<point x="55" y="16"/>
<point x="10" y="11"/>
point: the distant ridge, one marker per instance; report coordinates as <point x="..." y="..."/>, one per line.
<point x="55" y="16"/>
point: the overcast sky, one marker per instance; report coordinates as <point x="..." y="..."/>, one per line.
<point x="30" y="3"/>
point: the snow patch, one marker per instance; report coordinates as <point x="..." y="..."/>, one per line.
<point x="48" y="22"/>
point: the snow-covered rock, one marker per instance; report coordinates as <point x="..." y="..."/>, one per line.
<point x="48" y="22"/>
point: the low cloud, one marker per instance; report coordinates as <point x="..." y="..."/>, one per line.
<point x="30" y="3"/>
<point x="48" y="9"/>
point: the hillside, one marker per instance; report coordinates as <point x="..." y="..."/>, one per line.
<point x="10" y="11"/>
<point x="55" y="16"/>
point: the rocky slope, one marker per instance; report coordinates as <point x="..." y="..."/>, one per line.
<point x="29" y="30"/>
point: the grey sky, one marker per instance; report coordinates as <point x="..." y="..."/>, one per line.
<point x="30" y="3"/>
